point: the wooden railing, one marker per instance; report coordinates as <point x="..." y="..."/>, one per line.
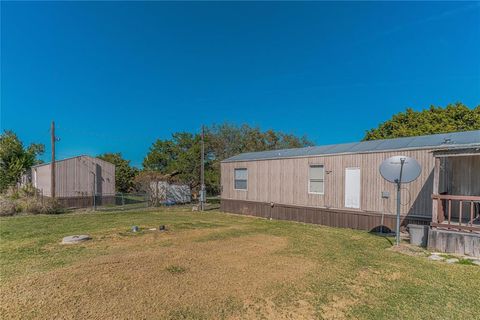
<point x="456" y="218"/>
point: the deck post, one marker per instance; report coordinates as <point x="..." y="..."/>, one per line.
<point x="436" y="181"/>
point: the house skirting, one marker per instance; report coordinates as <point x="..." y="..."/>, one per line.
<point x="463" y="243"/>
<point x="353" y="219"/>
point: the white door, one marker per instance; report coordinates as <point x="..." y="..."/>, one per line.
<point x="352" y="188"/>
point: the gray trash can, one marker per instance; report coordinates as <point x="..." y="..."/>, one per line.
<point x="418" y="234"/>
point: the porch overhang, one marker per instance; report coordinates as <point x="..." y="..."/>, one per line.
<point x="457" y="205"/>
<point x="457" y="152"/>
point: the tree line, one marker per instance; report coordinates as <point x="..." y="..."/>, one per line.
<point x="178" y="157"/>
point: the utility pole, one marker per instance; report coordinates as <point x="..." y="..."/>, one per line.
<point x="52" y="166"/>
<point x="202" y="173"/>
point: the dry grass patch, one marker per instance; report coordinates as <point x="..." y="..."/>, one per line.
<point x="339" y="304"/>
<point x="159" y="281"/>
<point x="219" y="266"/>
<point x="411" y="250"/>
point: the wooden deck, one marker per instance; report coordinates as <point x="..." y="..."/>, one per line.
<point x="455" y="212"/>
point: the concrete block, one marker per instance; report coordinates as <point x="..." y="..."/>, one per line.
<point x="462" y="243"/>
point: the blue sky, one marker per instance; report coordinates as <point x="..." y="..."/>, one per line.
<point x="115" y="75"/>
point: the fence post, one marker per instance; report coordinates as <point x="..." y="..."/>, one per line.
<point x="123" y="201"/>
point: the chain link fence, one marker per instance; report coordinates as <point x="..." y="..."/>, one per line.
<point x="129" y="201"/>
<point x="121" y="201"/>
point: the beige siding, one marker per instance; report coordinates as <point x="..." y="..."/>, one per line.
<point x="41" y="178"/>
<point x="285" y="181"/>
<point x="76" y="177"/>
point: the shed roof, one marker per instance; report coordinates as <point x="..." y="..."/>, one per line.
<point x="435" y="141"/>
<point x="70" y="158"/>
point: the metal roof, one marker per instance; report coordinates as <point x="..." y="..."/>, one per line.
<point x="435" y="141"/>
<point x="69" y="158"/>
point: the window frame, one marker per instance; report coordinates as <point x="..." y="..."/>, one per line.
<point x="310" y="165"/>
<point x="235" y="179"/>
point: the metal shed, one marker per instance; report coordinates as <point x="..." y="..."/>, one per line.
<point x="340" y="185"/>
<point x="77" y="180"/>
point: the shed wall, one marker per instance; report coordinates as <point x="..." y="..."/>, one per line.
<point x="285" y="181"/>
<point x="75" y="177"/>
<point x="41" y="178"/>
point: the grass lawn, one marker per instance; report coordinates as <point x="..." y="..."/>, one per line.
<point x="215" y="265"/>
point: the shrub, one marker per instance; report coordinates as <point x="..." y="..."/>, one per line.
<point x="51" y="206"/>
<point x="12" y="193"/>
<point x="13" y="203"/>
<point x="36" y="205"/>
<point x="29" y="205"/>
<point x="28" y="190"/>
<point x="7" y="206"/>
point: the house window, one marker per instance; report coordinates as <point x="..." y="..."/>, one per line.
<point x="315" y="179"/>
<point x="241" y="178"/>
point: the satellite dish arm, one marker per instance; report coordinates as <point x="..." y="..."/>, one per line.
<point x="399" y="185"/>
<point x="402" y="162"/>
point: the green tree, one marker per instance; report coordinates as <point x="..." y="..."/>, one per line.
<point x="124" y="173"/>
<point x="15" y="159"/>
<point x="454" y="117"/>
<point x="180" y="155"/>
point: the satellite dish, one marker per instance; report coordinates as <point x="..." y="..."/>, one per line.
<point x="398" y="170"/>
<point x="392" y="168"/>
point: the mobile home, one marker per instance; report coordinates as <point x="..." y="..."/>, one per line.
<point x="340" y="185"/>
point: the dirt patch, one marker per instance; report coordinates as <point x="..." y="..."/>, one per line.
<point x="409" y="250"/>
<point x="339" y="304"/>
<point x="267" y="309"/>
<point x="393" y="276"/>
<point x="135" y="280"/>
